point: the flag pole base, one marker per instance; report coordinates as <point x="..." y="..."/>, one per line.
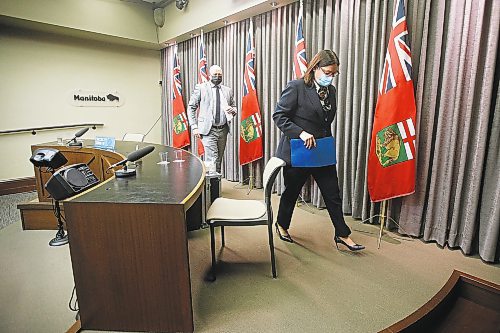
<point x="383" y="211"/>
<point x="251" y="178"/>
<point x="383" y="223"/>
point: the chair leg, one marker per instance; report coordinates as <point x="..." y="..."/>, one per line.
<point x="271" y="248"/>
<point x="222" y="236"/>
<point x="211" y="275"/>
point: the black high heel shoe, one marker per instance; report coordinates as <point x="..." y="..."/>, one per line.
<point x="285" y="238"/>
<point x="355" y="247"/>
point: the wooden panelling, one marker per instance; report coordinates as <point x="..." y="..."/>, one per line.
<point x="38" y="215"/>
<point x="465" y="304"/>
<point x="18" y="185"/>
<point x="131" y="267"/>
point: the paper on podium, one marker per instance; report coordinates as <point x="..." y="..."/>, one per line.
<point x="322" y="155"/>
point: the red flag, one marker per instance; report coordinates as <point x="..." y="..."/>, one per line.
<point x="299" y="53"/>
<point x="202" y="63"/>
<point x="180" y="131"/>
<point x="391" y="161"/>
<point x="251" y="123"/>
<point x="202" y="77"/>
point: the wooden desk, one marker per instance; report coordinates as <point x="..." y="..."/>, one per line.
<point x="128" y="244"/>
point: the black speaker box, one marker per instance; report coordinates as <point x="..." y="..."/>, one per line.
<point x="71" y="180"/>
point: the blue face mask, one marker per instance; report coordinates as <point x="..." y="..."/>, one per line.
<point x="325" y="80"/>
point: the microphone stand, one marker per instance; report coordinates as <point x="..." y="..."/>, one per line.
<point x="74" y="143"/>
<point x="125" y="172"/>
<point x="61" y="238"/>
<point x="132" y="157"/>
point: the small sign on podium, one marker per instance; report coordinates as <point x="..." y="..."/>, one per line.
<point x="104" y="142"/>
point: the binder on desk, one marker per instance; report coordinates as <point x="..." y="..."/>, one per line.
<point x="322" y="155"/>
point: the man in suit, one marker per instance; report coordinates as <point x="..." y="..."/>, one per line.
<point x="306" y="110"/>
<point x="217" y="109"/>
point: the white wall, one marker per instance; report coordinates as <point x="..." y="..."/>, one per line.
<point x="123" y="19"/>
<point x="209" y="15"/>
<point x="38" y="70"/>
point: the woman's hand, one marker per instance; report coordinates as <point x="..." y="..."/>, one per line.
<point x="308" y="139"/>
<point x="196" y="134"/>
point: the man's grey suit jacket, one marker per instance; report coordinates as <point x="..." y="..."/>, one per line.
<point x="202" y="97"/>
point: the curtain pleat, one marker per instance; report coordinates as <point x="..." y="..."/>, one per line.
<point x="489" y="212"/>
<point x="428" y="85"/>
<point x="455" y="71"/>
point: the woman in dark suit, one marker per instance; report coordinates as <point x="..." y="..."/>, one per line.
<point x="306" y="110"/>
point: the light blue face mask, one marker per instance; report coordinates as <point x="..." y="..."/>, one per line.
<point x="325" y="80"/>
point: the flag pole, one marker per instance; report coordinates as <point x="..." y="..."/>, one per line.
<point x="383" y="210"/>
<point x="250" y="177"/>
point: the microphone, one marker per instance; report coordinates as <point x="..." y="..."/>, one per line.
<point x="132" y="157"/>
<point x="140" y="153"/>
<point x="73" y="142"/>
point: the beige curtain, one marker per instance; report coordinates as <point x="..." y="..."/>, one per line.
<point x="454" y="53"/>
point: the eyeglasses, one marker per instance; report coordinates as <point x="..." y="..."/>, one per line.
<point x="330" y="74"/>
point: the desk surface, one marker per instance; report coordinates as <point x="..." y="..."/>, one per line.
<point x="173" y="183"/>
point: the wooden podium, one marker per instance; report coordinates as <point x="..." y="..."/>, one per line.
<point x="38" y="214"/>
<point x="128" y="245"/>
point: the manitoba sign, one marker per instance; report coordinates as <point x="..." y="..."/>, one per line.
<point x="95" y="98"/>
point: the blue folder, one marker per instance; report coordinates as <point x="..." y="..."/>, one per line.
<point x="322" y="155"/>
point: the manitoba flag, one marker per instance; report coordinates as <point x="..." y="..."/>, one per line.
<point x="180" y="132"/>
<point x="202" y="77"/>
<point x="391" y="161"/>
<point x="251" y="124"/>
<point x="202" y="62"/>
<point x="299" y="53"/>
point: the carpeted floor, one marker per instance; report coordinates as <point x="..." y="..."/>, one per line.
<point x="8" y="203"/>
<point x="318" y="289"/>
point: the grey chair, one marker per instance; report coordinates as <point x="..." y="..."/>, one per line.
<point x="236" y="212"/>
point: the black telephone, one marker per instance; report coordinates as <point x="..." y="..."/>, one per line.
<point x="48" y="157"/>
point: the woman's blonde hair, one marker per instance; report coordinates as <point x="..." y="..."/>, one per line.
<point x="322" y="59"/>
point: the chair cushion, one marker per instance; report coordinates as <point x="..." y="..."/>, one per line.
<point x="233" y="209"/>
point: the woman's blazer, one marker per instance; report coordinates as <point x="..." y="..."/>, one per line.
<point x="299" y="109"/>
